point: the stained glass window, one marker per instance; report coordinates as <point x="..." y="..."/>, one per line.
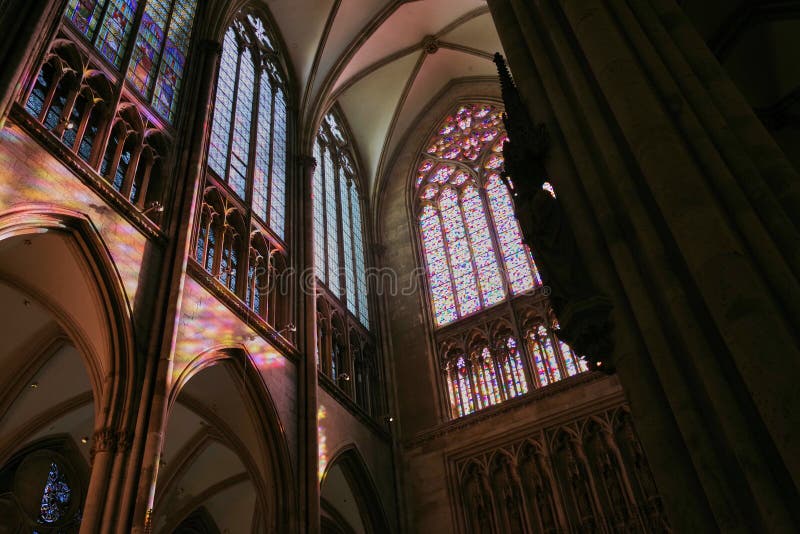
<point x="250" y="96"/>
<point x="554" y="360"/>
<point x="472" y="244"/>
<point x="487" y="378"/>
<point x="115" y="30"/>
<point x="55" y="496"/>
<point x="158" y="60"/>
<point x="338" y="231"/>
<point x="84" y="14"/>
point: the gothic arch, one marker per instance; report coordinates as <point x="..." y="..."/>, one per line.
<point x="106" y="346"/>
<point x="360" y="481"/>
<point x="266" y="456"/>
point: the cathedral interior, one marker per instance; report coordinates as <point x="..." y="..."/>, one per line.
<point x="334" y="266"/>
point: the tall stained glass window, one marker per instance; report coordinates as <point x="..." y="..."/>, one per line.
<point x="471" y="240"/>
<point x="247" y="148"/>
<point x="157" y="62"/>
<point x="338" y="230"/>
<point x="475" y="259"/>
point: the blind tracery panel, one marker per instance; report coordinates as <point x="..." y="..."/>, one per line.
<point x="459" y="184"/>
<point x="250" y="96"/>
<point x="338" y="230"/>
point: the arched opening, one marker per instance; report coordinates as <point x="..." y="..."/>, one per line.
<point x="223" y="464"/>
<point x="349" y="499"/>
<point x="66" y="355"/>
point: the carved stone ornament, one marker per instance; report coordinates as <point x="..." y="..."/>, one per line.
<point x="584" y="314"/>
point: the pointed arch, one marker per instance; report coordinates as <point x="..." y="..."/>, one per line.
<point x="272" y="436"/>
<point x="358" y="477"/>
<point x="110" y="360"/>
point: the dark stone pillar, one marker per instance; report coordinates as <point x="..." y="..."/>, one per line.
<point x="686" y="211"/>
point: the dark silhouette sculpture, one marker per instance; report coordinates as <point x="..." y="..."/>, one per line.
<point x="584" y="314"/>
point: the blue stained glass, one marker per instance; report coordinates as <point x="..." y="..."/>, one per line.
<point x="240" y="148"/>
<point x="349" y="289"/>
<point x="55" y="496"/>
<point x="149" y="40"/>
<point x="331" y="218"/>
<point x="35" y="103"/>
<point x="277" y="214"/>
<point x="112" y="40"/>
<point x="173" y="59"/>
<point x="319" y="215"/>
<point x="83" y="15"/>
<point x="358" y="245"/>
<point x="263" y="148"/>
<point x="223" y="107"/>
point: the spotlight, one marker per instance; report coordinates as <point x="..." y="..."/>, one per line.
<point x="388" y="418"/>
<point x="70" y="125"/>
<point x="34" y="385"/>
<point x="345" y="377"/>
<point x="85" y="440"/>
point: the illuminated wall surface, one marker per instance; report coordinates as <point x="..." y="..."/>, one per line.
<point x="29" y="175"/>
<point x="207" y="325"/>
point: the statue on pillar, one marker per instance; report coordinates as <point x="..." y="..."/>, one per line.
<point x="583" y="313"/>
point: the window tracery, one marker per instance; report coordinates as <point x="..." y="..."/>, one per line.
<point x="247" y="149"/>
<point x="346" y="351"/>
<point x="120" y="130"/>
<point x="338" y="230"/>
<point x="240" y="228"/>
<point x="472" y="250"/>
<point x="472" y="244"/>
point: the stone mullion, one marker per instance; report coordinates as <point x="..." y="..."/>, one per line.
<point x="130" y="172"/>
<point x="81" y="128"/>
<point x="58" y="76"/>
<point x="66" y="113"/>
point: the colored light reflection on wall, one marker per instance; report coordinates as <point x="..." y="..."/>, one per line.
<point x="30" y="175"/>
<point x="207" y="323"/>
<point x="321" y="441"/>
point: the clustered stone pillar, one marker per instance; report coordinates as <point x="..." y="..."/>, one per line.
<point x="309" y="482"/>
<point x="150" y="437"/>
<point x="688" y="213"/>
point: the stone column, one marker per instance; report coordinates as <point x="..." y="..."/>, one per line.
<point x="687" y="211"/>
<point x="104" y="444"/>
<point x="148" y="442"/>
<point x="308" y="379"/>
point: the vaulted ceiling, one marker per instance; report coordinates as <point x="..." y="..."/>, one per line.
<point x="383" y="61"/>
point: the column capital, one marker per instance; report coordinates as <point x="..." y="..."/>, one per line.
<point x="307" y="161"/>
<point x="211" y="46"/>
